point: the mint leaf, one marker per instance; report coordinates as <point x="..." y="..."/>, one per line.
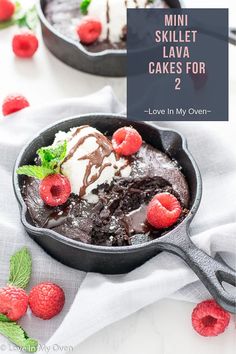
<point x="18" y="336"/>
<point x="32" y="18"/>
<point x="29" y="19"/>
<point x="38" y="172"/>
<point x="51" y="156"/>
<point x="20" y="268"/>
<point x="84" y="6"/>
<point x="4" y="318"/>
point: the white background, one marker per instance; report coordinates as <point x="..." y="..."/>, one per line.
<point x="164" y="327"/>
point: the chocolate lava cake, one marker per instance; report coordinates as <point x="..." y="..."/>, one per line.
<point x="111" y="209"/>
<point x="65" y="16"/>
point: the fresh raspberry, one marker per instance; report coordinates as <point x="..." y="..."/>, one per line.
<point x="7" y="9"/>
<point x="46" y="300"/>
<point x="163" y="210"/>
<point x="89" y="30"/>
<point x="13" y="302"/>
<point x="14" y="103"/>
<point x="25" y="44"/>
<point x="126" y="141"/>
<point x="209" y="319"/>
<point x="55" y="189"/>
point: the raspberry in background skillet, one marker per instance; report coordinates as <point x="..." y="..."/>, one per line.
<point x="89" y="30"/>
<point x="14" y="103"/>
<point x="25" y="44"/>
<point x="126" y="141"/>
<point x="7" y="9"/>
<point x="209" y="319"/>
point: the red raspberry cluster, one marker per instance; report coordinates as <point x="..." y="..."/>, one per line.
<point x="45" y="300"/>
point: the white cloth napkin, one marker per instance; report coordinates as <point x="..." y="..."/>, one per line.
<point x="94" y="301"/>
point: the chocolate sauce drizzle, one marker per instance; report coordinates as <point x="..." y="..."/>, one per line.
<point x="95" y="158"/>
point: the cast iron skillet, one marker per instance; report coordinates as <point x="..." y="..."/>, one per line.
<point x="115" y="260"/>
<point x="110" y="62"/>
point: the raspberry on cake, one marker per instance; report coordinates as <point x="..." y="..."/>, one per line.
<point x="163" y="211"/>
<point x="55" y="189"/>
<point x="126" y="141"/>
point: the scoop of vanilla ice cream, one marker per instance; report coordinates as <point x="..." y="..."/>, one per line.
<point x="90" y="160"/>
<point x="112" y="15"/>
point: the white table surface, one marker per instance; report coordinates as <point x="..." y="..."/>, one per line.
<point x="164" y="327"/>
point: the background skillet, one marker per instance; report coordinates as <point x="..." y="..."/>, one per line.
<point x="111" y="62"/>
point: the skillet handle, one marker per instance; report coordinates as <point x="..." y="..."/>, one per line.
<point x="211" y="272"/>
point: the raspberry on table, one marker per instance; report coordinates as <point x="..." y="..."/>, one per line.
<point x="25" y="44"/>
<point x="7" y="9"/>
<point x="209" y="319"/>
<point x="163" y="210"/>
<point x="14" y="103"/>
<point x="13" y="302"/>
<point x="46" y="300"/>
<point x="89" y="30"/>
<point x="55" y="189"/>
<point x="126" y="141"/>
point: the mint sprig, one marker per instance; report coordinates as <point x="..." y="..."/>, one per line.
<point x="29" y="19"/>
<point x="20" y="268"/>
<point x="50" y="158"/>
<point x="23" y="18"/>
<point x="84" y="6"/>
<point x="17" y="335"/>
